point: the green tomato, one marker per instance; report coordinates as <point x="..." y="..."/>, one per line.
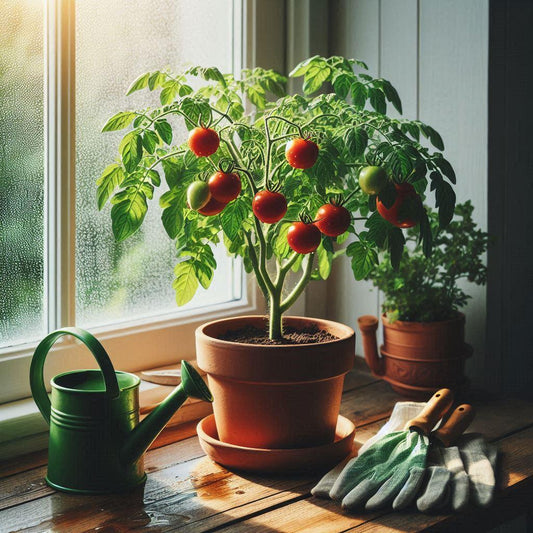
<point x="373" y="179"/>
<point x="198" y="195"/>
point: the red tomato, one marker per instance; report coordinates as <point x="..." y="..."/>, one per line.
<point x="405" y="192"/>
<point x="333" y="220"/>
<point x="225" y="187"/>
<point x="269" y="206"/>
<point x="303" y="238"/>
<point x="203" y="141"/>
<point x="213" y="207"/>
<point x="301" y="153"/>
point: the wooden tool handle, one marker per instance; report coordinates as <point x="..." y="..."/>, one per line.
<point x="433" y="411"/>
<point x="459" y="420"/>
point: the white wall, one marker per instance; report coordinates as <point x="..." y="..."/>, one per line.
<point x="435" y="52"/>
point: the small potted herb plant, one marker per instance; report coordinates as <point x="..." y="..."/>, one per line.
<point x="424" y="342"/>
<point x="287" y="183"/>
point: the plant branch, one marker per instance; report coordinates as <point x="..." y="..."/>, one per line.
<point x="255" y="265"/>
<point x="300" y="286"/>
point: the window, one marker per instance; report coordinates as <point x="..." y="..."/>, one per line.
<point x="64" y="69"/>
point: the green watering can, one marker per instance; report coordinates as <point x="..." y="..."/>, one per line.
<point x="97" y="444"/>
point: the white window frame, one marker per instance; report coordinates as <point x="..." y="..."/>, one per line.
<point x="144" y="343"/>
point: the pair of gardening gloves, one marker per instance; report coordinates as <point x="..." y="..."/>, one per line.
<point x="448" y="478"/>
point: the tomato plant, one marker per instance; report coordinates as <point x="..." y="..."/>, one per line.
<point x="333" y="220"/>
<point x="301" y="153"/>
<point x="203" y="141"/>
<point x="284" y="157"/>
<point x="303" y="237"/>
<point x="269" y="206"/>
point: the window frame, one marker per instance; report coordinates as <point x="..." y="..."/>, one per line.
<point x="128" y="343"/>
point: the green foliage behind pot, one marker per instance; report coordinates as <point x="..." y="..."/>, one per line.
<point x="425" y="289"/>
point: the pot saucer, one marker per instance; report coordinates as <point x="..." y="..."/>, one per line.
<point x="277" y="460"/>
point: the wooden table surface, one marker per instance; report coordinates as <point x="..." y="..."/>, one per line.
<point x="186" y="492"/>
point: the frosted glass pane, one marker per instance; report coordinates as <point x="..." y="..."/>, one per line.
<point x="22" y="311"/>
<point x="115" y="42"/>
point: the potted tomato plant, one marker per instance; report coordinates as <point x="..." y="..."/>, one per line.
<point x="287" y="187"/>
<point x="424" y="339"/>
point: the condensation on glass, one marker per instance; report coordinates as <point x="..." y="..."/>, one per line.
<point x="22" y="285"/>
<point x="115" y="42"/>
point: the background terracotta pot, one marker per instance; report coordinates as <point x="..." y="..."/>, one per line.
<point x="278" y="396"/>
<point x="417" y="357"/>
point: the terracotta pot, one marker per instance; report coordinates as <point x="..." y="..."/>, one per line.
<point x="417" y="357"/>
<point x="280" y="396"/>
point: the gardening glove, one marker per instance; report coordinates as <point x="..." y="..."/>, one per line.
<point x="480" y="459"/>
<point x="401" y="414"/>
<point x="447" y="481"/>
<point x="460" y="473"/>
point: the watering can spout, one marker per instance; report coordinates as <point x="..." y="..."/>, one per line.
<point x="192" y="385"/>
<point x="368" y="325"/>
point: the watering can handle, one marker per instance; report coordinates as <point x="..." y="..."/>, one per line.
<point x="37" y="385"/>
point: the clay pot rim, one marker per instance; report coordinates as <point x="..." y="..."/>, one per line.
<point x="322" y="323"/>
<point x="405" y="324"/>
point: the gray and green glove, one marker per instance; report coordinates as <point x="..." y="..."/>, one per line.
<point x="459" y="474"/>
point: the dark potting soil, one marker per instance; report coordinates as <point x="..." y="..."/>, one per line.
<point x="253" y="335"/>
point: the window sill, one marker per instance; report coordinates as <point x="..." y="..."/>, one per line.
<point x="23" y="429"/>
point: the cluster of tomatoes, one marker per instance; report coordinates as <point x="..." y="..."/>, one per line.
<point x="270" y="206"/>
<point x="373" y="180"/>
<point x="211" y="197"/>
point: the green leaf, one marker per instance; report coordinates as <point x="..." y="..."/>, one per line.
<point x="204" y="273"/>
<point x="150" y="141"/>
<point x="186" y="282"/>
<point x="341" y="84"/>
<point x="392" y="95"/>
<point x="169" y="93"/>
<point x="359" y="94"/>
<point x="231" y="218"/>
<point x="119" y="121"/>
<point x="173" y="168"/>
<point x="325" y="260"/>
<point x="281" y="246"/>
<point x="396" y="241"/>
<point x="356" y="140"/>
<point x="400" y="163"/>
<point x="446" y="168"/>
<point x="364" y="258"/>
<point x="425" y="234"/>
<point x="172" y="218"/>
<point x="164" y="129"/>
<point x="128" y="214"/>
<point x="377" y="100"/>
<point x="303" y="67"/>
<point x="256" y="94"/>
<point x="110" y="179"/>
<point x="131" y="150"/>
<point x="140" y="83"/>
<point x="435" y="138"/>
<point x="315" y="76"/>
<point x="378" y="229"/>
<point x="445" y="201"/>
<point x="156" y="80"/>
